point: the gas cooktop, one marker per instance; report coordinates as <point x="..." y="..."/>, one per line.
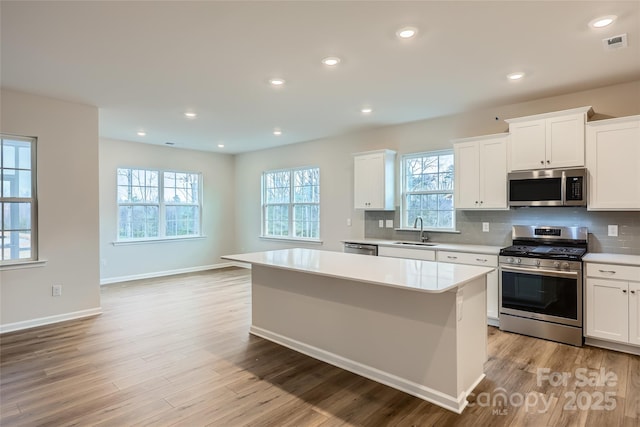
<point x="548" y="242"/>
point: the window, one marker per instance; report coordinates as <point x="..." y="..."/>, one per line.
<point x="18" y="212"/>
<point x="291" y="203"/>
<point x="427" y="190"/>
<point x="156" y="204"/>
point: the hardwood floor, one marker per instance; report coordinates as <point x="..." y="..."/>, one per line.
<point x="176" y="351"/>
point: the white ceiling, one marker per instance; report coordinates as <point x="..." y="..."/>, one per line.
<point x="145" y="63"/>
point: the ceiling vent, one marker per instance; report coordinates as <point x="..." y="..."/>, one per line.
<point x="615" y="42"/>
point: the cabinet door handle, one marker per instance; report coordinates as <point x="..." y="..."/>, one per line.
<point x="452" y="257"/>
<point x="548" y="161"/>
<point x="542" y="162"/>
<point x="624" y="291"/>
<point x="481" y="260"/>
<point x="607" y="271"/>
<point x="633" y="292"/>
<point x="476" y="202"/>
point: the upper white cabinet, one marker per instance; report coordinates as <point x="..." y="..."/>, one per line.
<point x="374" y="180"/>
<point x="481" y="172"/>
<point x="550" y="140"/>
<point x="613" y="161"/>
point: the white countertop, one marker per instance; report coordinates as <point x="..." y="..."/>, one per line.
<point x="612" y="259"/>
<point x="423" y="276"/>
<point x="452" y="247"/>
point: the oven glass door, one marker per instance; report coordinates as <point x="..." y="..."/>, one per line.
<point x="552" y="296"/>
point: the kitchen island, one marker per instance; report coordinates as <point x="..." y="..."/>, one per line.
<point x="417" y="326"/>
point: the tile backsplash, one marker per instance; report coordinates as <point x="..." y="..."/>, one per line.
<point x="469" y="225"/>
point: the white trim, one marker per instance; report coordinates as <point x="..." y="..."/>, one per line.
<point x="156" y="240"/>
<point x="41" y="321"/>
<point x="609" y="345"/>
<point x="118" y="279"/>
<point x="292" y="239"/>
<point x="24" y="264"/>
<point x="452" y="403"/>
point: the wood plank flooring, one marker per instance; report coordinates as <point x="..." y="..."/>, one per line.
<point x="176" y="351"/>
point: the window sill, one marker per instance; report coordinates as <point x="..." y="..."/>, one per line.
<point x="158" y="240"/>
<point x="23" y="264"/>
<point x="292" y="239"/>
<point x="429" y="230"/>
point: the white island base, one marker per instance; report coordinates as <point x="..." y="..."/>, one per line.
<point x="430" y="344"/>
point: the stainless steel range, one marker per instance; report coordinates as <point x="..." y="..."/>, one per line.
<point x="541" y="282"/>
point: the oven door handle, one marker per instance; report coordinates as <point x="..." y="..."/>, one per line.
<point x="554" y="273"/>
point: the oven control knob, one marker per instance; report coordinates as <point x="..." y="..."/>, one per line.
<point x="556" y="264"/>
<point x="565" y="265"/>
<point x="518" y="260"/>
<point x="510" y="260"/>
<point x="538" y="262"/>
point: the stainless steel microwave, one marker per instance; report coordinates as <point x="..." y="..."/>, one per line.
<point x="548" y="187"/>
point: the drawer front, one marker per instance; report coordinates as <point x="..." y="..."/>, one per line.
<point x="613" y="271"/>
<point x="423" y="254"/>
<point x="468" y="258"/>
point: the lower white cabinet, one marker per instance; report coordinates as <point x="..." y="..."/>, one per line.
<point x="612" y="306"/>
<point x="492" y="278"/>
<point x="393" y="252"/>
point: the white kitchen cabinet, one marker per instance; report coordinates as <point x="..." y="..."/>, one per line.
<point x="612" y="300"/>
<point x="551" y="140"/>
<point x="613" y="162"/>
<point x="481" y="172"/>
<point x="407" y="253"/>
<point x="471" y="258"/>
<point x="634" y="313"/>
<point x="373" y="181"/>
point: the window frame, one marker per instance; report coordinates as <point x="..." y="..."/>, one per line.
<point x="162" y="205"/>
<point x="290" y="205"/>
<point x="33" y="200"/>
<point x="404" y="193"/>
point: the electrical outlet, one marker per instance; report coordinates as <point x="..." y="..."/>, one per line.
<point x="104" y="262"/>
<point x="381" y="223"/>
<point x="56" y="290"/>
<point x="613" y="230"/>
<point x="389" y="223"/>
<point x="485" y="227"/>
<point x="348" y="222"/>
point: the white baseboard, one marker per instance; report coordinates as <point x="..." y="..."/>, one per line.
<point x="42" y="321"/>
<point x="118" y="279"/>
<point x="452" y="403"/>
<point x="610" y="345"/>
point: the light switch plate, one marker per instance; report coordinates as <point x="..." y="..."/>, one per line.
<point x="381" y="223"/>
<point x="389" y="223"/>
<point x="613" y="231"/>
<point x="485" y="227"/>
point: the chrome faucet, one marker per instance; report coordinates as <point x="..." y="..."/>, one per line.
<point x="423" y="237"/>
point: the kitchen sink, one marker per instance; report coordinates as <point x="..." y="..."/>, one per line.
<point x="415" y="243"/>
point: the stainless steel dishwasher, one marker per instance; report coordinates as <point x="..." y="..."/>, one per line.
<point x="359" y="248"/>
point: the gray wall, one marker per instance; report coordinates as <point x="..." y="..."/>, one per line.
<point x="132" y="261"/>
<point x="334" y="157"/>
<point x="469" y="224"/>
<point x="67" y="212"/>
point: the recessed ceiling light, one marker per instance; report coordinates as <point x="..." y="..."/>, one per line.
<point x="190" y="115"/>
<point x="407" y="32"/>
<point x="277" y="132"/>
<point x="276" y="82"/>
<point x="366" y="110"/>
<point x="603" y="21"/>
<point x="220" y="145"/>
<point x="142" y="133"/>
<point x="515" y="76"/>
<point x="331" y="61"/>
